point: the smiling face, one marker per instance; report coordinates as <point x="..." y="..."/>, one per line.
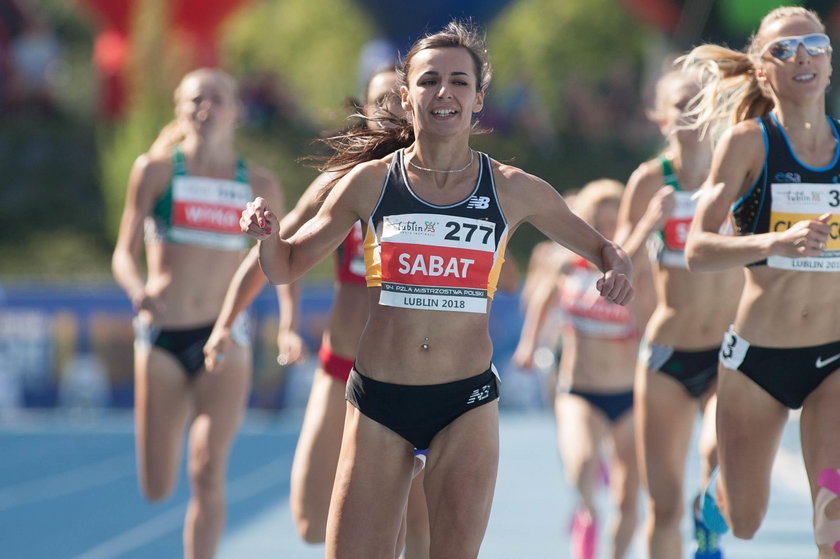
<point x="442" y="91"/>
<point x="206" y="104"/>
<point x="802" y="76"/>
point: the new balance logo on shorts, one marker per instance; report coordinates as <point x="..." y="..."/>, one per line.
<point x="479" y="394"/>
<point x="478" y="203"/>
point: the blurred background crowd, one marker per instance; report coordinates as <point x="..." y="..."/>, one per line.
<point x="86" y="84"/>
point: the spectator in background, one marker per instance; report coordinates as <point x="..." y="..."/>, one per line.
<point x="36" y="56"/>
<point x="12" y="21"/>
<point x="376" y="54"/>
<point x="522" y="111"/>
<point x="266" y="101"/>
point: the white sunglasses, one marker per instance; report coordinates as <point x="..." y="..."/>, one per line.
<point x="785" y="47"/>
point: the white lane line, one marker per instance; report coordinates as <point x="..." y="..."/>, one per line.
<point x="243" y="487"/>
<point x="68" y="482"/>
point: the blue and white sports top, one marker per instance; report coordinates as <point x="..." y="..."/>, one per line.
<point x="788" y="191"/>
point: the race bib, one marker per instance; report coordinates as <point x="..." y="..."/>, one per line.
<point x="675" y="229"/>
<point x="733" y="350"/>
<point x="352" y="264"/>
<point x="436" y="262"/>
<point x="357" y="257"/>
<point x="678" y="223"/>
<point x="206" y="211"/>
<point x="795" y="202"/>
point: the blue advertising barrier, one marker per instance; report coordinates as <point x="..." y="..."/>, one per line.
<point x="71" y="345"/>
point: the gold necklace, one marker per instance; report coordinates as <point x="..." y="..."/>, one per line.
<point x="464" y="168"/>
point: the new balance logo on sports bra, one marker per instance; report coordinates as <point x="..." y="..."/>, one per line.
<point x="478" y="203"/>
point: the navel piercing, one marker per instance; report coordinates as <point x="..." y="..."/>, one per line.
<point x="425" y="344"/>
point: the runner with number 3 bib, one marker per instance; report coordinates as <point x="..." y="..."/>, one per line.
<point x="775" y="172"/>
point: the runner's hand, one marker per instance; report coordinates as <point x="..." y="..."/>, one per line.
<point x="216" y="348"/>
<point x="290" y="347"/>
<point x="615" y="287"/>
<point x="804" y="238"/>
<point x="258" y="220"/>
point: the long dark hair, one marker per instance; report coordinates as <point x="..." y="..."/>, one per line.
<point x="359" y="145"/>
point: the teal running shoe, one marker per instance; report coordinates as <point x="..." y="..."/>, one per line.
<point x="705" y="540"/>
<point x="713" y="520"/>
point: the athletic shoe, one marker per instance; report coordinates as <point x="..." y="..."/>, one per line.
<point x="713" y="520"/>
<point x="584" y="535"/>
<point x="705" y="540"/>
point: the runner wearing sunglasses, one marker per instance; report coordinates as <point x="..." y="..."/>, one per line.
<point x="784" y="48"/>
<point x="774" y="174"/>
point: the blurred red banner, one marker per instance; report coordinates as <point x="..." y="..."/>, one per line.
<point x="196" y="21"/>
<point x="663" y="14"/>
<point x="110" y="50"/>
<point x="200" y="21"/>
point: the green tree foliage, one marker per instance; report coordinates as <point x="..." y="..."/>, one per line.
<point x="312" y="46"/>
<point x="551" y="42"/>
<point x="313" y="49"/>
<point x="548" y="47"/>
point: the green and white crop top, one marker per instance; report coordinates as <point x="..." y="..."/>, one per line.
<point x="669" y="242"/>
<point x="200" y="211"/>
